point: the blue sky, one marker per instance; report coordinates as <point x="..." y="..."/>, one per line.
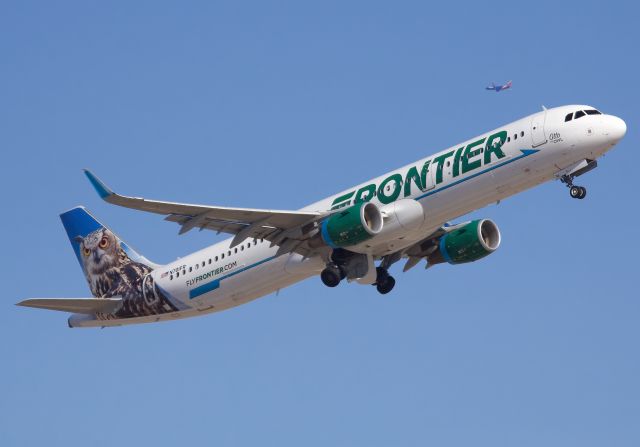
<point x="275" y="105"/>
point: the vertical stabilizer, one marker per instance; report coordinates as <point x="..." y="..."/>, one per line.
<point x="112" y="268"/>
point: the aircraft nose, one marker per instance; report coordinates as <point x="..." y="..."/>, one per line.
<point x="616" y="128"/>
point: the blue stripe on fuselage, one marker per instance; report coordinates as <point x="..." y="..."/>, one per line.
<point x="213" y="285"/>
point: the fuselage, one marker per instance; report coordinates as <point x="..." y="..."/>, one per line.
<point x="448" y="184"/>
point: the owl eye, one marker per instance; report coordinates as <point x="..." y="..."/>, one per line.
<point x="86" y="252"/>
<point x="104" y="243"/>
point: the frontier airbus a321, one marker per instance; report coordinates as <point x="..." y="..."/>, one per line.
<point x="355" y="235"/>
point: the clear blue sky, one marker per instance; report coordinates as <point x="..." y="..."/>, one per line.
<point x="276" y="105"/>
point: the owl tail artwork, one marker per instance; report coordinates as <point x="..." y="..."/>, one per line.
<point x="113" y="269"/>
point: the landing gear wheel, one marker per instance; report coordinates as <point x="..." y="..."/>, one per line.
<point x="381" y="274"/>
<point x="576" y="192"/>
<point x="384" y="281"/>
<point x="331" y="276"/>
<point x="386" y="285"/>
<point x="583" y="192"/>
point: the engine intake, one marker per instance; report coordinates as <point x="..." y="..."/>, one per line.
<point x="473" y="241"/>
<point x="350" y="227"/>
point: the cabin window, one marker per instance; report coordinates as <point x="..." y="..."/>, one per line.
<point x="203" y="263"/>
<point x="209" y="260"/>
<point x="222" y="256"/>
<point x="592" y="112"/>
<point x="448" y="163"/>
<point x="255" y="241"/>
<point x="196" y="266"/>
<point x="170" y="277"/>
<point x="515" y="136"/>
<point x="229" y="253"/>
<point x="184" y="272"/>
<point x="235" y="250"/>
<point x="508" y="139"/>
<point x="579" y="114"/>
<point x="177" y="274"/>
<point x="522" y="133"/>
<point x="190" y="269"/>
<point x="569" y="117"/>
<point x="242" y="248"/>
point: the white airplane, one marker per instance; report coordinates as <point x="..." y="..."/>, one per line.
<point x="402" y="214"/>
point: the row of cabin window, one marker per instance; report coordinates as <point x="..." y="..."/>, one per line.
<point x="580" y="114"/>
<point x="215" y="259"/>
<point x="515" y="136"/>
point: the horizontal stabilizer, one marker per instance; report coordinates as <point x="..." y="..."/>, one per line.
<point x="75" y="305"/>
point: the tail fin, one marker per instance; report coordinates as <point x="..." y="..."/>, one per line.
<point x="113" y="270"/>
<point x="99" y="251"/>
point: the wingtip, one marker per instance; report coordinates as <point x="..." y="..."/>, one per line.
<point x="103" y="190"/>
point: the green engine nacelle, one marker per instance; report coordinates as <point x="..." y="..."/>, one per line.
<point x="350" y="227"/>
<point x="470" y="242"/>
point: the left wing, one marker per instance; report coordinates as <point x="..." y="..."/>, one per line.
<point x="288" y="229"/>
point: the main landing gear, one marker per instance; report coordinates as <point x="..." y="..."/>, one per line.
<point x="384" y="281"/>
<point x="576" y="192"/>
<point x="332" y="275"/>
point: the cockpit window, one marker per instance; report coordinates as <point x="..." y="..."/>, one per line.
<point x="592" y="112"/>
<point x="579" y="114"/>
<point x="569" y="117"/>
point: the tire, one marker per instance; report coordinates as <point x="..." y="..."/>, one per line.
<point x="575" y="192"/>
<point x="381" y="274"/>
<point x="330" y="277"/>
<point x="583" y="192"/>
<point x="386" y="286"/>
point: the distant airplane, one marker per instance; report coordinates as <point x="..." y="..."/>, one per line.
<point x="353" y="236"/>
<point x="498" y="88"/>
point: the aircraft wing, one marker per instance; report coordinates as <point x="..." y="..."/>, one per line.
<point x="75" y="305"/>
<point x="421" y="249"/>
<point x="274" y="225"/>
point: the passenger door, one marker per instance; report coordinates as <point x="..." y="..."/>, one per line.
<point x="538" y="136"/>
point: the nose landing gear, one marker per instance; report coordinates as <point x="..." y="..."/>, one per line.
<point x="576" y="192"/>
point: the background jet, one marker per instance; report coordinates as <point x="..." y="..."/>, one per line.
<point x="497" y="88"/>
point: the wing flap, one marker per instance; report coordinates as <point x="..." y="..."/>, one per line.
<point x="75" y="305"/>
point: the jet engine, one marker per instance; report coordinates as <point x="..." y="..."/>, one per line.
<point x="470" y="242"/>
<point x="352" y="226"/>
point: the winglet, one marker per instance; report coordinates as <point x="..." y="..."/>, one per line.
<point x="102" y="189"/>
